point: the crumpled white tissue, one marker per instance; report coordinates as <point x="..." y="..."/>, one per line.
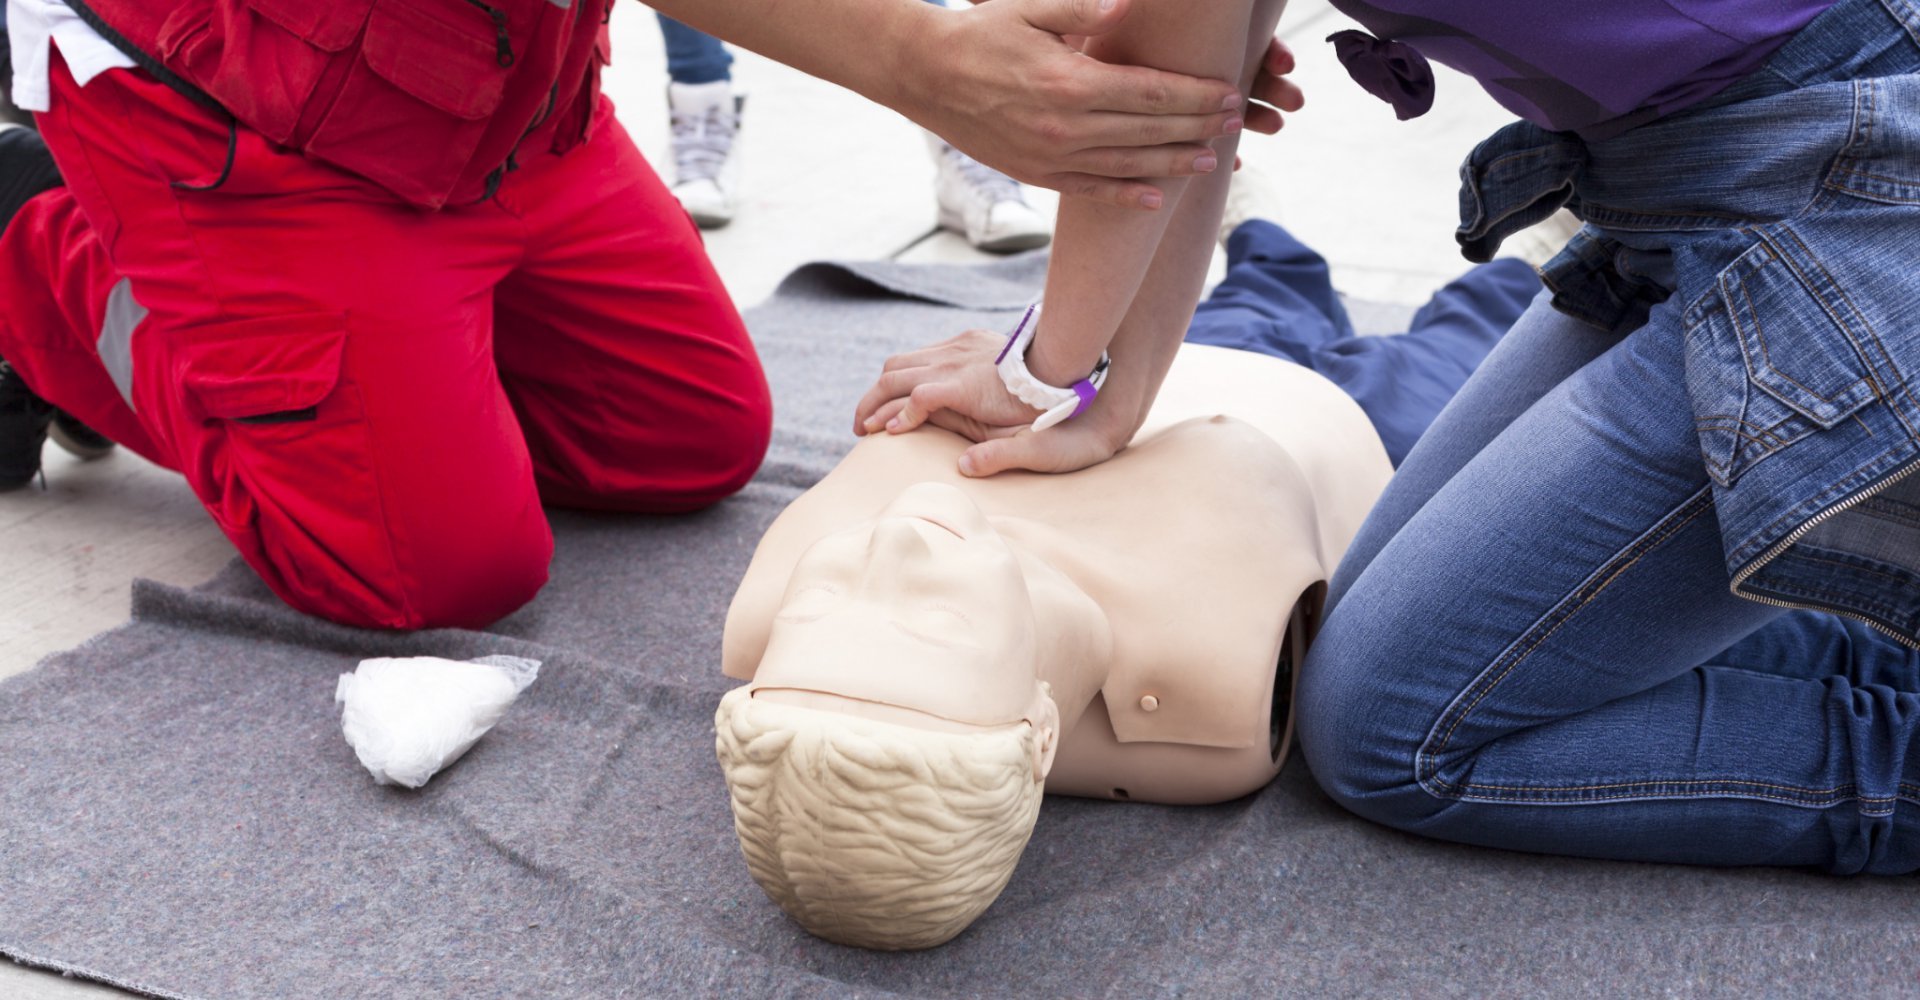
<point x="408" y="717"/>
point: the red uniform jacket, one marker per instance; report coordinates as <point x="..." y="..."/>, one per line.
<point x="428" y="98"/>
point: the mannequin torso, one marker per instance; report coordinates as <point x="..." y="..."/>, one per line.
<point x="1167" y="584"/>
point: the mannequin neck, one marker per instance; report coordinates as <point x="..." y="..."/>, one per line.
<point x="1073" y="637"/>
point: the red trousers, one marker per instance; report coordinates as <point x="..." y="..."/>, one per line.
<point x="373" y="401"/>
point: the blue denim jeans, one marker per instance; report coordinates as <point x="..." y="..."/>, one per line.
<point x="1278" y="299"/>
<point x="694" y="56"/>
<point x="1533" y="644"/>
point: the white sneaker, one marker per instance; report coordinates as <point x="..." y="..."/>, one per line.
<point x="706" y="149"/>
<point x="1251" y="194"/>
<point x="983" y="204"/>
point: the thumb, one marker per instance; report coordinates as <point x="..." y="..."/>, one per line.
<point x="1075" y="17"/>
<point x="1035" y="452"/>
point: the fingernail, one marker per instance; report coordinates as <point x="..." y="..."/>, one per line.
<point x="1106" y="5"/>
<point x="966" y="465"/>
<point x="1230" y="102"/>
<point x="1151" y="199"/>
<point x="1205" y="163"/>
<point x="894" y="424"/>
<point x="1234" y="125"/>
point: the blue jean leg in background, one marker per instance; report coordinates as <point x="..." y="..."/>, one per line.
<point x="1278" y="299"/>
<point x="1532" y="645"/>
<point x="694" y="56"/>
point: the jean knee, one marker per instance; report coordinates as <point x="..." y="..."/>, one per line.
<point x="1360" y="727"/>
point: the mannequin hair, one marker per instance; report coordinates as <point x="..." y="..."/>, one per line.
<point x="874" y="834"/>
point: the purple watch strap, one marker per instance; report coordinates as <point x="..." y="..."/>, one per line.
<point x="1015" y="335"/>
<point x="1086" y="391"/>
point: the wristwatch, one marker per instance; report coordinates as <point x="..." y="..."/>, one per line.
<point x="1060" y="404"/>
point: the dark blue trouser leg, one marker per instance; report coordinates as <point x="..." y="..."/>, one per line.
<point x="1278" y="299"/>
<point x="694" y="56"/>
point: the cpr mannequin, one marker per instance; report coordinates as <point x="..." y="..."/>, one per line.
<point x="927" y="653"/>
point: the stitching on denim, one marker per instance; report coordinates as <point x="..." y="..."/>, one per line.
<point x="1645" y="221"/>
<point x="1766" y="355"/>
<point x="1743" y="438"/>
<point x="1865" y="324"/>
<point x="1880" y="510"/>
<point x="1850" y="788"/>
<point x="1813" y="504"/>
<point x="1745" y="446"/>
<point x="1871" y="805"/>
<point x="1874" y="195"/>
<point x="1907" y="578"/>
<point x="1906" y="15"/>
<point x="1657" y="535"/>
<point x="1857" y="603"/>
<point x="1870" y="175"/>
<point x="1848" y="162"/>
<point x="1747" y="430"/>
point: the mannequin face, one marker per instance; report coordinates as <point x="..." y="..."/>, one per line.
<point x="925" y="609"/>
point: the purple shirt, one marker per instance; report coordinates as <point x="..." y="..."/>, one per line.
<point x="1598" y="67"/>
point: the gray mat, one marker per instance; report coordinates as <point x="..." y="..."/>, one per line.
<point x="180" y="816"/>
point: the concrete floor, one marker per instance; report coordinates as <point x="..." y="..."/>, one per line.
<point x="826" y="176"/>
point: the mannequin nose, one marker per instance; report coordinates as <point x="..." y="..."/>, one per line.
<point x="944" y="504"/>
<point x="898" y="540"/>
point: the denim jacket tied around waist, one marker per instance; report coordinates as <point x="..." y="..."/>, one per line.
<point x="1777" y="230"/>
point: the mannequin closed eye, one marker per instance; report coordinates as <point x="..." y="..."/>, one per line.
<point x="936" y="624"/>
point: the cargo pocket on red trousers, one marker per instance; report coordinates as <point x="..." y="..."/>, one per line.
<point x="416" y="105"/>
<point x="283" y="457"/>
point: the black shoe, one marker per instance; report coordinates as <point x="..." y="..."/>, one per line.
<point x="24" y="418"/>
<point x="8" y="112"/>
<point x="26" y="169"/>
<point x="79" y="440"/>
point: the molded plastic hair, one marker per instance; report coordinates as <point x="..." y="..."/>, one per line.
<point x="873" y="834"/>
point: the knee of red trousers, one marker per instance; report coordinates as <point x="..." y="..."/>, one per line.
<point x="423" y="572"/>
<point x="734" y="445"/>
<point x="707" y="454"/>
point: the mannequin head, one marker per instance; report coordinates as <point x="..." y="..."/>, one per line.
<point x="886" y="764"/>
<point x="878" y="834"/>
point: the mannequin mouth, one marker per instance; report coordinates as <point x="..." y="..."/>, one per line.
<point x="942" y="525"/>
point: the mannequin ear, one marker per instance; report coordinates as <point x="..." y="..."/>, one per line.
<point x="1045" y="720"/>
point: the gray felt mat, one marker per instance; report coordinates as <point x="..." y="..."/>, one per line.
<point x="179" y="814"/>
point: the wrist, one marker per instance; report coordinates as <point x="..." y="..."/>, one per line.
<point x="1052" y="362"/>
<point x="915" y="38"/>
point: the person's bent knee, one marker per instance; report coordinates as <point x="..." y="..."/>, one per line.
<point x="1359" y="734"/>
<point x="735" y="447"/>
<point x="713" y="456"/>
<point x="446" y="582"/>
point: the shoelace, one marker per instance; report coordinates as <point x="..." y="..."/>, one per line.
<point x="702" y="141"/>
<point x="987" y="184"/>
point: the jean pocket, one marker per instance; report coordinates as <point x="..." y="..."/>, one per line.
<point x="1767" y="361"/>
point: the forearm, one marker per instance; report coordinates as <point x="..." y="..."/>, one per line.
<point x="1156" y="321"/>
<point x="817" y="36"/>
<point x="1102" y="254"/>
